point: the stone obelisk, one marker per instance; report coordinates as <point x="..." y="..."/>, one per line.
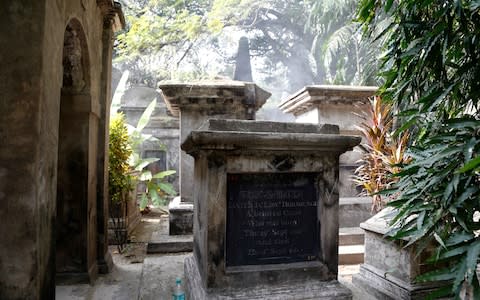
<point x="243" y="67"/>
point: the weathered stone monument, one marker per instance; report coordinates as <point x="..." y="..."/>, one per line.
<point x="389" y="269"/>
<point x="243" y="67"/>
<point x="195" y="103"/>
<point x="333" y="104"/>
<point x="340" y="105"/>
<point x="266" y="210"/>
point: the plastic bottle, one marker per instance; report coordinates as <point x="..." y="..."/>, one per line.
<point x="178" y="292"/>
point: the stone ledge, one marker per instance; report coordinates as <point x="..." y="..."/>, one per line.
<point x="351" y="236"/>
<point x="182" y="206"/>
<point x="379" y="222"/>
<point x="383" y="287"/>
<point x="223" y="140"/>
<point x="309" y="96"/>
<point x="222" y="94"/>
<point x="355" y="200"/>
<point x="305" y="289"/>
<point x="267" y="126"/>
<point x="162" y="243"/>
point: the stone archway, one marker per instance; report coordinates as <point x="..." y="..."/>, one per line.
<point x="76" y="238"/>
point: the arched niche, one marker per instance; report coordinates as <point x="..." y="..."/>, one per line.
<point x="76" y="203"/>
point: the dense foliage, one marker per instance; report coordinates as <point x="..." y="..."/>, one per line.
<point x="432" y="77"/>
<point x="315" y="41"/>
<point x="160" y="35"/>
<point x="154" y="188"/>
<point x="120" y="181"/>
<point x="119" y="178"/>
<point x="126" y="142"/>
<point x="293" y="43"/>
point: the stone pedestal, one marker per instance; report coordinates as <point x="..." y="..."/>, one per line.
<point x="389" y="269"/>
<point x="194" y="104"/>
<point x="338" y="105"/>
<point x="180" y="217"/>
<point x="266" y="210"/>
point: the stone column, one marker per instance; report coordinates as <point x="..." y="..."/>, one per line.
<point x="334" y="104"/>
<point x="266" y="211"/>
<point x="194" y="104"/>
<point x="31" y="44"/>
<point x="113" y="21"/>
<point x="28" y="152"/>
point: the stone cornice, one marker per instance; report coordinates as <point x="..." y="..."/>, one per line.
<point x="268" y="136"/>
<point x="216" y="97"/>
<point x="311" y="96"/>
<point x="267" y="126"/>
<point x="112" y="13"/>
<point x="105" y="5"/>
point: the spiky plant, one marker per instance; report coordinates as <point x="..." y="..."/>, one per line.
<point x="383" y="155"/>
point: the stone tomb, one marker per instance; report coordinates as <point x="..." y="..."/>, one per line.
<point x="195" y="103"/>
<point x="390" y="269"/>
<point x="339" y="105"/>
<point x="266" y="210"/>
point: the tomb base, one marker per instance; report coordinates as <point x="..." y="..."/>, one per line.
<point x="390" y="269"/>
<point x="382" y="286"/>
<point x="180" y="217"/>
<point x="298" y="287"/>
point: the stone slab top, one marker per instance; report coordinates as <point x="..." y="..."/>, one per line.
<point x="355" y="200"/>
<point x="267" y="126"/>
<point x="243" y="135"/>
<point x="214" y="83"/>
<point x="311" y="96"/>
<point x="177" y="204"/>
<point x="379" y="222"/>
<point x="208" y="94"/>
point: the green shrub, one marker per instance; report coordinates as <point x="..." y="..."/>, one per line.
<point x="126" y="163"/>
<point x="119" y="149"/>
<point x="156" y="189"/>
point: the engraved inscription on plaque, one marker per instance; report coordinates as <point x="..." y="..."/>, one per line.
<point x="271" y="218"/>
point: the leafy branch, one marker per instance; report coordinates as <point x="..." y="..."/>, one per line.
<point x="430" y="69"/>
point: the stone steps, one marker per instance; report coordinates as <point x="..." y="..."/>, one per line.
<point x="164" y="243"/>
<point x="351" y="246"/>
<point x="350" y="236"/>
<point x="354" y="210"/>
<point x="351" y="254"/>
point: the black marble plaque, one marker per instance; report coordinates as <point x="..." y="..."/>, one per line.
<point x="272" y="218"/>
